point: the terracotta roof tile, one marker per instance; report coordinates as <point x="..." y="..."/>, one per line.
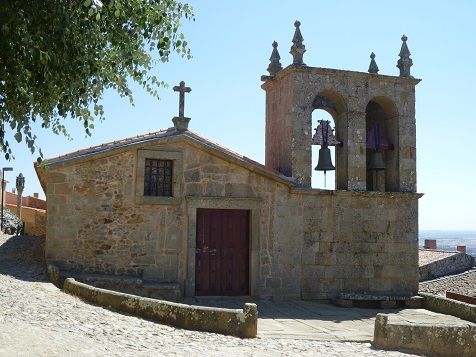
<point x="427" y="256"/>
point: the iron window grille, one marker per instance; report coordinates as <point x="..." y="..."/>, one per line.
<point x="158" y="178"/>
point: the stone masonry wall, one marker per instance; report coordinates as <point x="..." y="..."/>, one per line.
<point x="289" y="105"/>
<point x="278" y="229"/>
<point x="358" y="242"/>
<point x="453" y="264"/>
<point x="310" y="243"/>
<point x="95" y="226"/>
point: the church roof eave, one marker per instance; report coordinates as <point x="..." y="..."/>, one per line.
<point x="159" y="136"/>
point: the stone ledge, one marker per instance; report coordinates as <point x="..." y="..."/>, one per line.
<point x="346" y="193"/>
<point x="342" y="73"/>
<point x="355" y="296"/>
<point x="237" y="322"/>
<point x="381" y="301"/>
<point x="443" y="305"/>
<point x="436" y="335"/>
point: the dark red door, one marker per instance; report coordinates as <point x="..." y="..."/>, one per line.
<point x="222" y="255"/>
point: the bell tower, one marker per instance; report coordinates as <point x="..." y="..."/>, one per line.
<point x="360" y="103"/>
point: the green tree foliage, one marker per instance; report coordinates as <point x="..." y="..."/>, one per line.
<point x="57" y="57"/>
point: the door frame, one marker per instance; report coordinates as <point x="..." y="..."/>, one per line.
<point x="251" y="204"/>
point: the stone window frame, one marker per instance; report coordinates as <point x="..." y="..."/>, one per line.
<point x="176" y="158"/>
<point x="251" y="204"/>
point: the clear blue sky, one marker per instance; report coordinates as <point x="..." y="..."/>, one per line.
<point x="231" y="45"/>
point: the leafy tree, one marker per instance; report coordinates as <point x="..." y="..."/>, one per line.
<point x="57" y="57"/>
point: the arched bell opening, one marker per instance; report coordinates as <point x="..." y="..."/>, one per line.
<point x="325" y="157"/>
<point x="329" y="109"/>
<point x="381" y="145"/>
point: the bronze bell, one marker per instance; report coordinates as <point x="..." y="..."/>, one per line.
<point x="325" y="162"/>
<point x="376" y="161"/>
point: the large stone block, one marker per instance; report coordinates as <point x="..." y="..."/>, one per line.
<point x="173" y="239"/>
<point x="214" y="189"/>
<point x="193" y="189"/>
<point x="192" y="175"/>
<point x="238" y="190"/>
<point x="273" y="283"/>
<point x="55" y="177"/>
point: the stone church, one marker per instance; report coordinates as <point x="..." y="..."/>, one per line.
<point x="175" y="209"/>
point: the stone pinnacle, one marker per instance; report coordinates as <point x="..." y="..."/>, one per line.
<point x="405" y="62"/>
<point x="373" y="68"/>
<point x="274" y="65"/>
<point x="298" y="48"/>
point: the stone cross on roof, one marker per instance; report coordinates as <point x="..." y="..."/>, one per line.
<point x="182" y="90"/>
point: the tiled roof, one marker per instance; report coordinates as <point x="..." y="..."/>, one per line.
<point x="464" y="283"/>
<point x="427" y="256"/>
<point x="160" y="135"/>
<point x="93" y="150"/>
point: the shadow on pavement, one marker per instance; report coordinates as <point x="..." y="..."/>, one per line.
<point x="297" y="309"/>
<point x="22" y="257"/>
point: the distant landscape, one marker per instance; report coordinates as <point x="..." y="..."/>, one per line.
<point x="448" y="240"/>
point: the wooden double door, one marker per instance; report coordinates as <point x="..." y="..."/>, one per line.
<point x="222" y="252"/>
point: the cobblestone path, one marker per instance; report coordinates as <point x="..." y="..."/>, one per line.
<point x="37" y="319"/>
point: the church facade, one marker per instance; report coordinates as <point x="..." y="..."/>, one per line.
<point x="177" y="209"/>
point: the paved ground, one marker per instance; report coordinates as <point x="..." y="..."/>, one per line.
<point x="427" y="318"/>
<point x="307" y="319"/>
<point x="37" y="319"/>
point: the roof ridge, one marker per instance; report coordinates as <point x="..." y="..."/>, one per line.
<point x="111" y="144"/>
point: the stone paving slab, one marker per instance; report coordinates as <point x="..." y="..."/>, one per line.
<point x="307" y="319"/>
<point x="429" y="318"/>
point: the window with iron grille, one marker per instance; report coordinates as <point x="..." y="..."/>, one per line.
<point x="158" y="177"/>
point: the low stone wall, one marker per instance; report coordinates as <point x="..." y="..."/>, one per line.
<point x="450" y="307"/>
<point x="124" y="284"/>
<point x="34" y="218"/>
<point x="453" y="264"/>
<point x="427" y="339"/>
<point x="236" y="322"/>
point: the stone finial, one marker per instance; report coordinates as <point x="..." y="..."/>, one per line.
<point x="274" y="65"/>
<point x="405" y="62"/>
<point x="298" y="48"/>
<point x="181" y="122"/>
<point x="373" y="68"/>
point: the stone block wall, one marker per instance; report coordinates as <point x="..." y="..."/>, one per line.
<point x="95" y="226"/>
<point x="358" y="242"/>
<point x="290" y="101"/>
<point x="304" y="243"/>
<point x="34" y="218"/>
<point x="449" y="264"/>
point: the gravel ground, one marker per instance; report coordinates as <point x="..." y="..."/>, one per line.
<point x="37" y="319"/>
